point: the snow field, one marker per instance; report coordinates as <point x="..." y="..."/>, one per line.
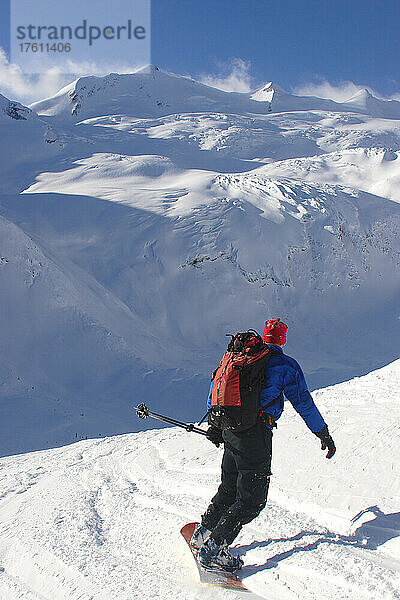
<point x="101" y="518"/>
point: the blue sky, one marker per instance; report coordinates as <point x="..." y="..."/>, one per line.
<point x="288" y="41"/>
<point x="293" y="42"/>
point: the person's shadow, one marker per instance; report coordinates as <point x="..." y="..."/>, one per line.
<point x="370" y="534"/>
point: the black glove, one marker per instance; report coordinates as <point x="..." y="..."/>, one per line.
<point x="214" y="435"/>
<point x="326" y="442"/>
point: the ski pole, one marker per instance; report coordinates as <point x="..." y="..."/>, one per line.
<point x="143" y="412"/>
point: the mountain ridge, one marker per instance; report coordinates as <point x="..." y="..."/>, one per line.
<point x="154" y="85"/>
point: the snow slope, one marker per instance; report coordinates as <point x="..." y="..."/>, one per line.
<point x="100" y="518"/>
<point x="164" y="209"/>
<point x="375" y="170"/>
<point x="25" y="139"/>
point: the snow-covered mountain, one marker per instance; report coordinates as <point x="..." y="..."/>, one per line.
<point x="101" y="518"/>
<point x="146" y="93"/>
<point x="13" y="110"/>
<point x="366" y="103"/>
<point x="169" y="213"/>
<point x="25" y="139"/>
<point x="363" y="102"/>
<point x="153" y="93"/>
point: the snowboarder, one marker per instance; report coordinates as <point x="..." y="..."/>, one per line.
<point x="246" y="462"/>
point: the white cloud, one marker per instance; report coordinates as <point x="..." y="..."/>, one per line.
<point x="339" y="92"/>
<point x="233" y="76"/>
<point x="16" y="85"/>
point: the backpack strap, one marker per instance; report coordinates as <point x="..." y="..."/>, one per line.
<point x="204" y="418"/>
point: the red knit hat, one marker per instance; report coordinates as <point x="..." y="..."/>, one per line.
<point x="275" y="332"/>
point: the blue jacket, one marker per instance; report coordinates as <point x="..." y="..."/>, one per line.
<point x="284" y="377"/>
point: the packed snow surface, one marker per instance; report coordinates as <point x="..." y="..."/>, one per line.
<point x="100" y="519"/>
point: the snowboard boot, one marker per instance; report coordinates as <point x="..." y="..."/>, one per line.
<point x="200" y="535"/>
<point x="213" y="557"/>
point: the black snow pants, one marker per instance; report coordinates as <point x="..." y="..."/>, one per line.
<point x="246" y="470"/>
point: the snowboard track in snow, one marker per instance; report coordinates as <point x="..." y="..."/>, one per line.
<point x="102" y="519"/>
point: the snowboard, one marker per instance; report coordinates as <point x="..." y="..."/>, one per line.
<point x="219" y="578"/>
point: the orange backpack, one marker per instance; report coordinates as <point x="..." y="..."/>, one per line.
<point x="236" y="391"/>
